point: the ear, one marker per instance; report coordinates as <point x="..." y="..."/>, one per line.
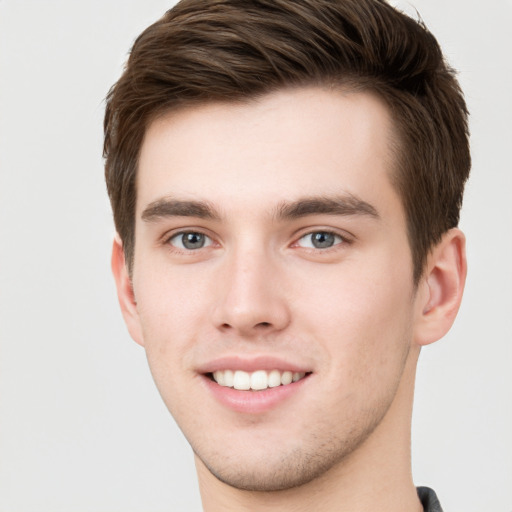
<point x="125" y="293"/>
<point x="440" y="289"/>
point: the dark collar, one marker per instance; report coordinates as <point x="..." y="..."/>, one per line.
<point x="429" y="500"/>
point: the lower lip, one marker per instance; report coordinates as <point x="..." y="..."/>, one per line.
<point x="253" y="402"/>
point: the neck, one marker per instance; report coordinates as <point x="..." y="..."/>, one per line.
<point x="376" y="476"/>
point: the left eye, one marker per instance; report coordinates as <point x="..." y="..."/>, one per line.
<point x="320" y="240"/>
<point x="190" y="240"/>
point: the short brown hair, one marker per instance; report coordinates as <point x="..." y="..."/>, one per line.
<point x="233" y="50"/>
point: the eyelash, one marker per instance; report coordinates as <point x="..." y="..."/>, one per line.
<point x="340" y="240"/>
<point x="168" y="240"/>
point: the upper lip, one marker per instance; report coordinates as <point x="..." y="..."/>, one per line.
<point x="251" y="364"/>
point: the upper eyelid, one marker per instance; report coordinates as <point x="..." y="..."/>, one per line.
<point x="178" y="233"/>
<point x="344" y="241"/>
<point x="344" y="234"/>
<point x="168" y="235"/>
<point x="335" y="233"/>
<point x="165" y="242"/>
<point x="209" y="241"/>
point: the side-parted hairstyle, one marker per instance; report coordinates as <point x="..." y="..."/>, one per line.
<point x="204" y="51"/>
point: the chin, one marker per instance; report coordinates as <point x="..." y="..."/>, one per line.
<point x="265" y="477"/>
<point x="273" y="471"/>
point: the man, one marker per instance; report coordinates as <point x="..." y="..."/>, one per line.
<point x="286" y="179"/>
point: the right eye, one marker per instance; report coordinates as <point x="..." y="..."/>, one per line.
<point x="190" y="240"/>
<point x="320" y="240"/>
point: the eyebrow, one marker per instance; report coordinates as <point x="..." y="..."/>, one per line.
<point x="345" y="205"/>
<point x="168" y="207"/>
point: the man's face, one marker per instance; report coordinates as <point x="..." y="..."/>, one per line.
<point x="270" y="242"/>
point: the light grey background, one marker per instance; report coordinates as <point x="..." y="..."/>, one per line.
<point x="81" y="425"/>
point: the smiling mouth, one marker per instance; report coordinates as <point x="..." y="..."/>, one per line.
<point x="255" y="381"/>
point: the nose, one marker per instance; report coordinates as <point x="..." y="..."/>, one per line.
<point x="251" y="299"/>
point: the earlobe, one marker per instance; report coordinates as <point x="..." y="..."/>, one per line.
<point x="442" y="287"/>
<point x="125" y="292"/>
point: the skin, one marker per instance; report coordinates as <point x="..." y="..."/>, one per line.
<point x="348" y="314"/>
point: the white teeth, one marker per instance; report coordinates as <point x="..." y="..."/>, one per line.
<point x="219" y="377"/>
<point x="257" y="380"/>
<point x="229" y="378"/>
<point x="274" y="379"/>
<point x="242" y="380"/>
<point x="286" y="378"/>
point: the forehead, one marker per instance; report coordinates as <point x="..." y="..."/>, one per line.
<point x="280" y="147"/>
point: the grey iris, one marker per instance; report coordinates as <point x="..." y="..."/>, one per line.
<point x="322" y="239"/>
<point x="193" y="240"/>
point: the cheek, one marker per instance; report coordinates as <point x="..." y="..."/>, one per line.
<point x="168" y="298"/>
<point x="373" y="295"/>
<point x="366" y="319"/>
<point x="167" y="326"/>
<point x="169" y="306"/>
